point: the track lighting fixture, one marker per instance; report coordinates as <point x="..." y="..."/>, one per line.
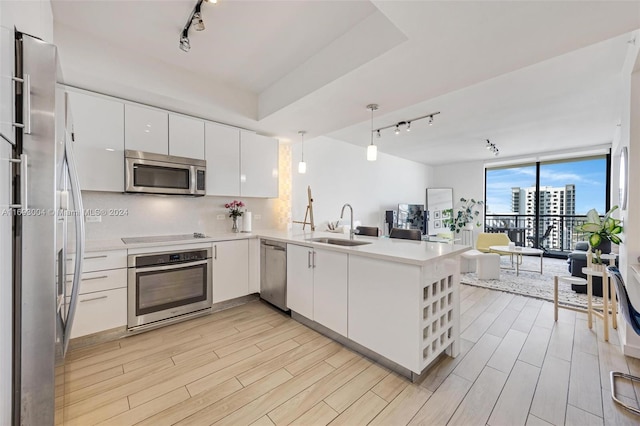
<point x="379" y="135"/>
<point x="406" y="124"/>
<point x="195" y="21"/>
<point x="492" y="147"/>
<point x="302" y="166"/>
<point x="372" y="150"/>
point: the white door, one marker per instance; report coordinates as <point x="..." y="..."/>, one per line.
<point x="146" y="129"/>
<point x="186" y="137"/>
<point x="99" y="141"/>
<point x="300" y="280"/>
<point x="330" y="290"/>
<point x="230" y="270"/>
<point x="222" y="149"/>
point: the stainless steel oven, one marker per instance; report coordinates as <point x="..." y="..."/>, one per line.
<point x="163" y="174"/>
<point x="168" y="286"/>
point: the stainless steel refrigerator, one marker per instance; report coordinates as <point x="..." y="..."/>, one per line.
<point x="46" y="221"/>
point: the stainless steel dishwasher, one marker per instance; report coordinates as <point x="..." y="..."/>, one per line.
<point x="273" y="273"/>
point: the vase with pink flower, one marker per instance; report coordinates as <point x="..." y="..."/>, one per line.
<point x="234" y="213"/>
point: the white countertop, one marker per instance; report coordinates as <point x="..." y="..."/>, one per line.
<point x="403" y="251"/>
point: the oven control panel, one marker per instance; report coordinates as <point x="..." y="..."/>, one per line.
<point x="171" y="258"/>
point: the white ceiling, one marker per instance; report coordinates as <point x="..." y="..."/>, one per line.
<point x="496" y="70"/>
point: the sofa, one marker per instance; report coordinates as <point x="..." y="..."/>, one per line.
<point x="577" y="260"/>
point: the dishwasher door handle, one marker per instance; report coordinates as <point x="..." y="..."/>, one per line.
<point x="267" y="246"/>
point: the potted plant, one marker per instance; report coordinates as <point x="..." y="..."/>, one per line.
<point x="235" y="212"/>
<point x="601" y="230"/>
<point x="468" y="213"/>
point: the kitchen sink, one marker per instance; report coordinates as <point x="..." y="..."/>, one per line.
<point x="338" y="242"/>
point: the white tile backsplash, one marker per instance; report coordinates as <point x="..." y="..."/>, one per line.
<point x="148" y="214"/>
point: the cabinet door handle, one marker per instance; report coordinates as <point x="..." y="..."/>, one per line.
<point x="104" y="256"/>
<point x="215" y="252"/>
<point x="94" y="298"/>
<point x="314" y="259"/>
<point x="95" y="278"/>
<point x="308" y="259"/>
<point x="23" y="182"/>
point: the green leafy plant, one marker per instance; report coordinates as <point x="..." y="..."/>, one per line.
<point x="468" y="212"/>
<point x="599" y="230"/>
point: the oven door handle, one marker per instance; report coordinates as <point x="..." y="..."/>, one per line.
<point x="170" y="267"/>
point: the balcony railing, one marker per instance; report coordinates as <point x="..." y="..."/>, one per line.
<point x="522" y="230"/>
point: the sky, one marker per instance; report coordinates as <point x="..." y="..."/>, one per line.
<point x="589" y="177"/>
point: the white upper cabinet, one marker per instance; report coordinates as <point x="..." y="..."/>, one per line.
<point x="146" y="129"/>
<point x="222" y="149"/>
<point x="258" y="165"/>
<point x="98" y="126"/>
<point x="186" y="136"/>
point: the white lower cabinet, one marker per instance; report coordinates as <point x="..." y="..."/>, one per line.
<point x="102" y="300"/>
<point x="100" y="311"/>
<point x="317" y="285"/>
<point x="330" y="290"/>
<point x="384" y="302"/>
<point x="230" y="270"/>
<point x="300" y="280"/>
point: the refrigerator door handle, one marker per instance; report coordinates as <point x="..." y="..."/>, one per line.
<point x="77" y="272"/>
<point x="23" y="182"/>
<point x="26" y="96"/>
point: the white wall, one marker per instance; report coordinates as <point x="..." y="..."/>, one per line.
<point x="33" y="17"/>
<point x="339" y="173"/>
<point x="629" y="136"/>
<point x="149" y="214"/>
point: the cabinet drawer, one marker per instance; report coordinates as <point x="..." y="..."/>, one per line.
<point x="101" y="260"/>
<point x="100" y="281"/>
<point x="100" y="311"/>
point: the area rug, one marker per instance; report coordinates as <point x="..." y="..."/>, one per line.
<point x="530" y="283"/>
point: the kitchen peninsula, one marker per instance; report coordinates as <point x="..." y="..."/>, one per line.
<point x="396" y="301"/>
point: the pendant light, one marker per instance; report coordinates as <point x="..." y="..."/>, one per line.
<point x="302" y="166"/>
<point x="372" y="150"/>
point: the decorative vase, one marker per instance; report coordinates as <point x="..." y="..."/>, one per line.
<point x="234" y="227"/>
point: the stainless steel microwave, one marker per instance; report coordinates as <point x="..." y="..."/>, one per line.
<point x="163" y="174"/>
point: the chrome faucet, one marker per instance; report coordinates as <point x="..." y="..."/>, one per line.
<point x="351" y="230"/>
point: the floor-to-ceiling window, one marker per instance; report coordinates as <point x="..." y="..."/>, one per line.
<point x="539" y="204"/>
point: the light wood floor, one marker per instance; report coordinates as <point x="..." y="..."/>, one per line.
<point x="253" y="365"/>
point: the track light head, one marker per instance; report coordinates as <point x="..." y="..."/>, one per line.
<point x="185" y="46"/>
<point x="492" y="147"/>
<point x="196" y="21"/>
<point x="408" y="126"/>
<point x="397" y="129"/>
<point x="431" y="120"/>
<point x="378" y="134"/>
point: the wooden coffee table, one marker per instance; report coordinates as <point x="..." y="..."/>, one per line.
<point x="518" y="252"/>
